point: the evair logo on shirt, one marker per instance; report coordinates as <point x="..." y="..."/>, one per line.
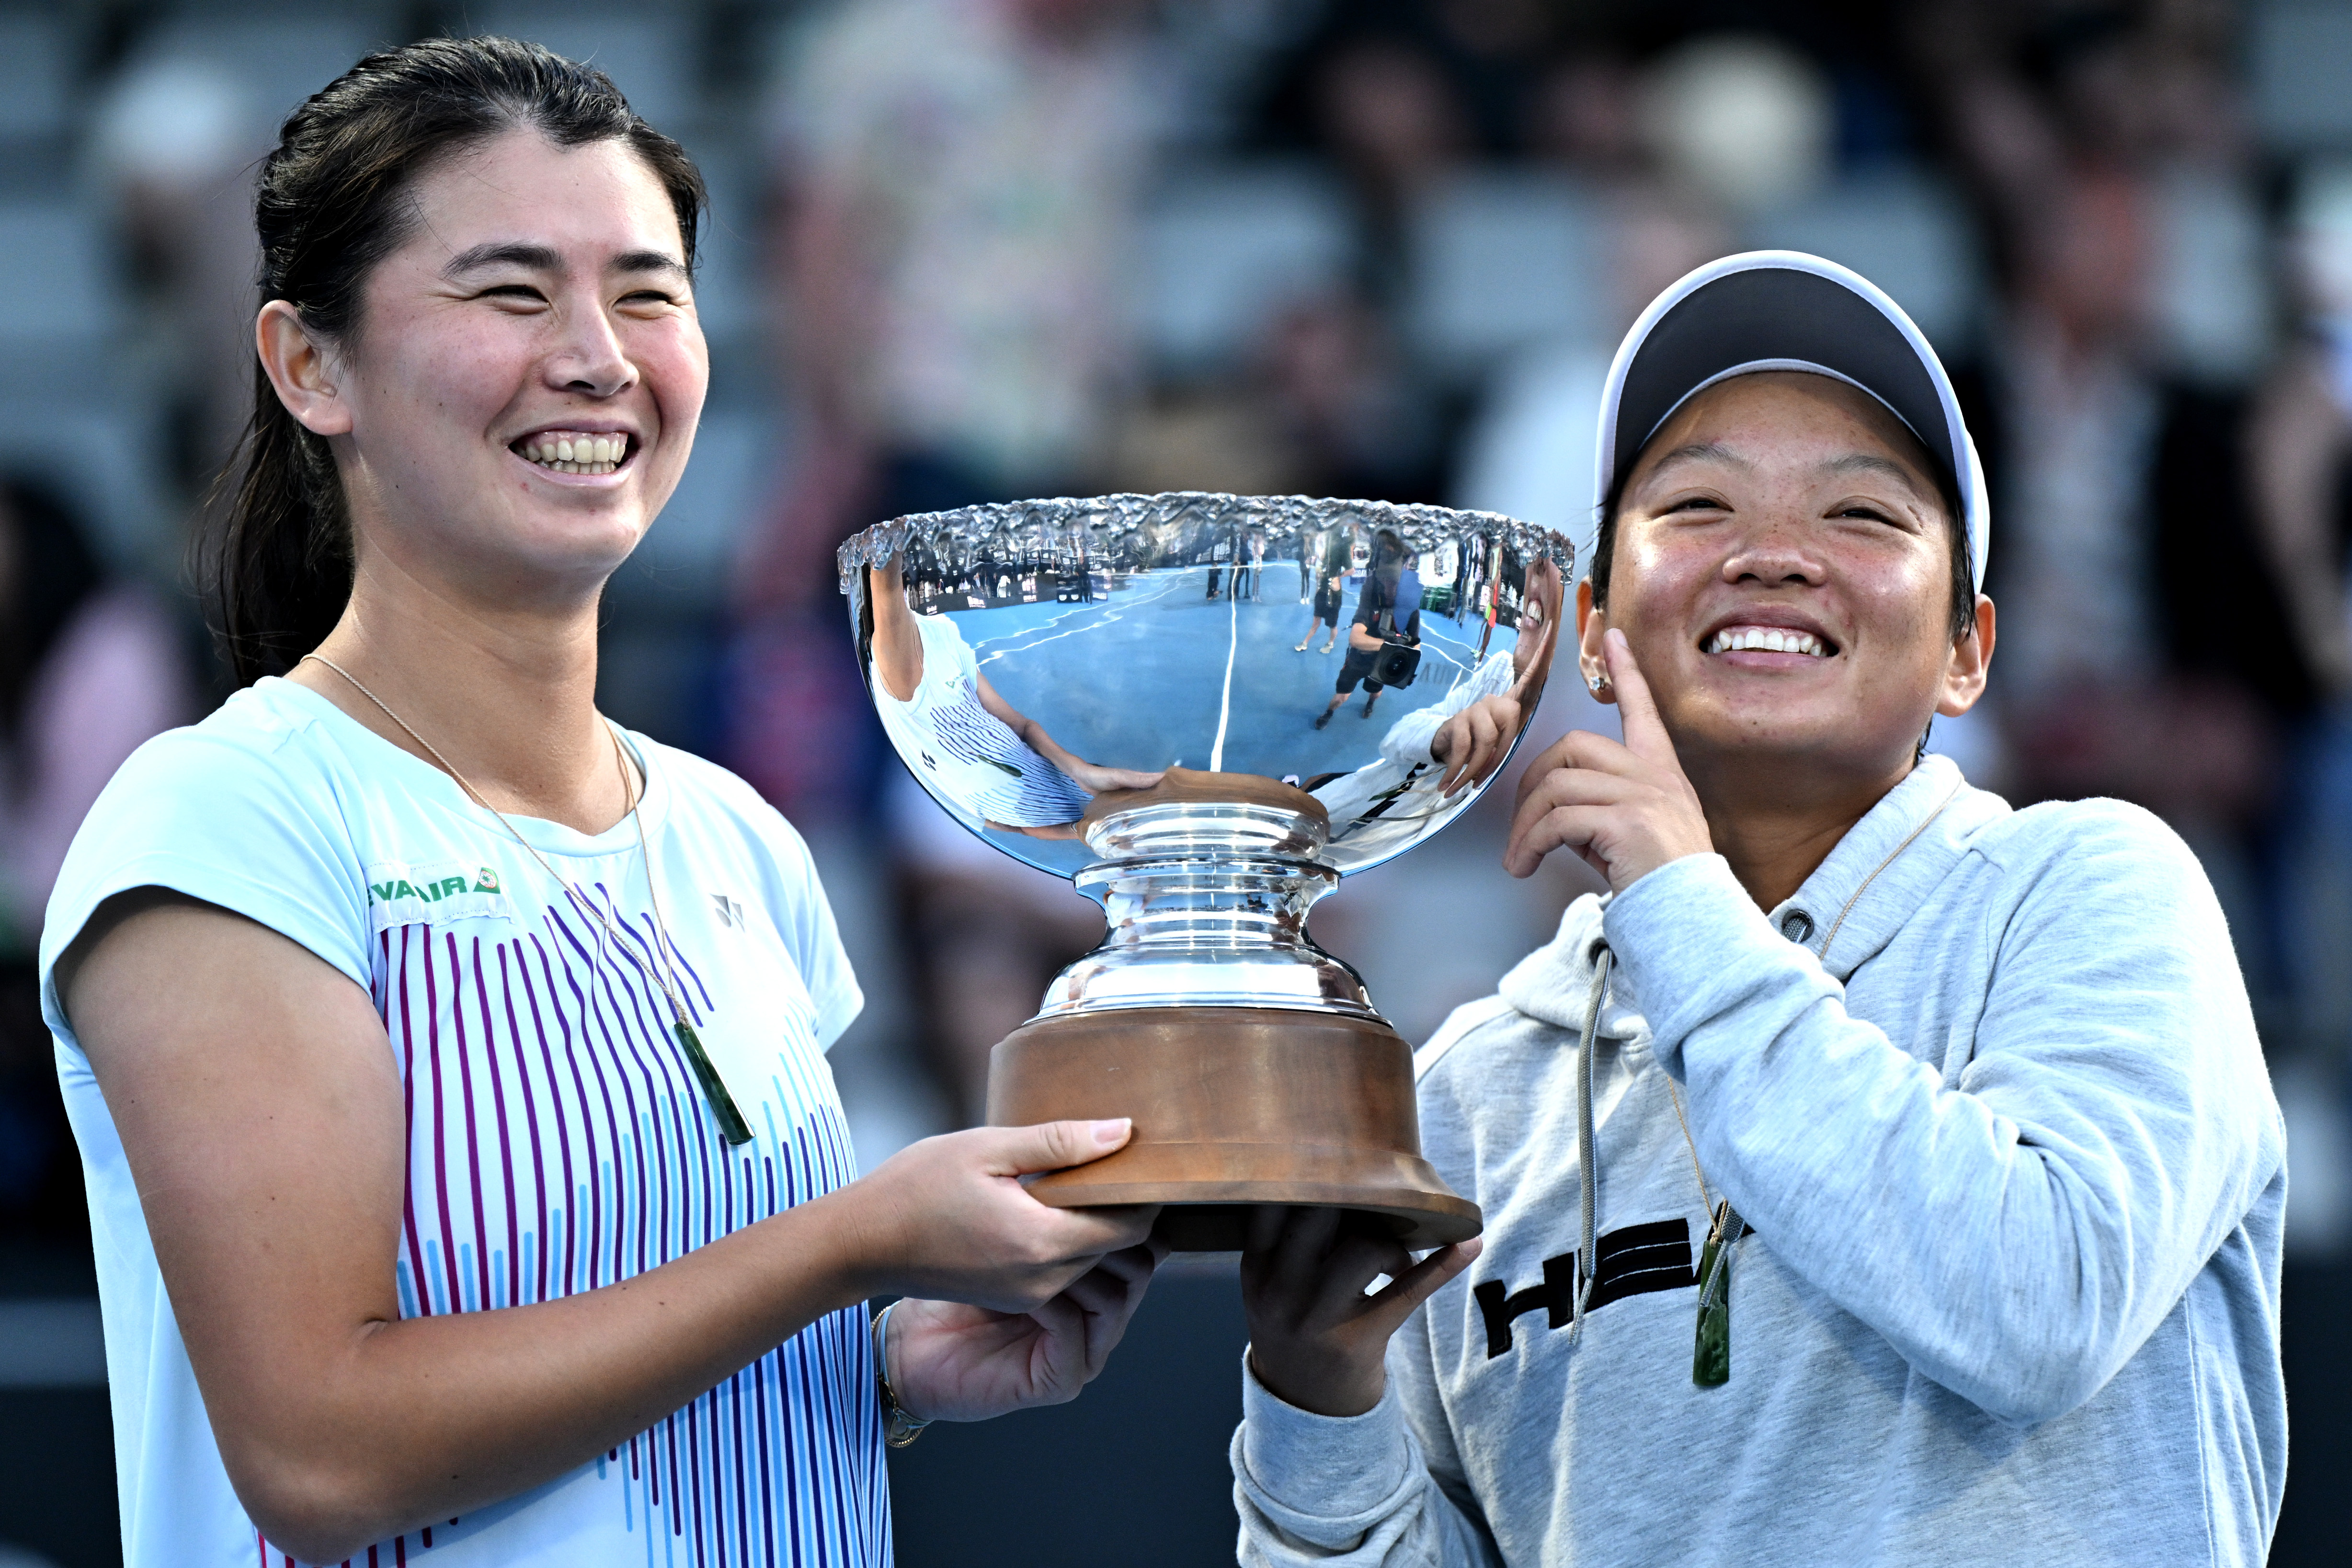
<point x="400" y="894"/>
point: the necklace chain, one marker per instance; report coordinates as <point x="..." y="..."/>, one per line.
<point x="663" y="969"/>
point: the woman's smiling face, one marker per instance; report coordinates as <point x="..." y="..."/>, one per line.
<point x="1782" y="571"/>
<point x="528" y="371"/>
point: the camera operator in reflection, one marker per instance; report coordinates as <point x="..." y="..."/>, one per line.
<point x="973" y="747"/>
<point x="1323" y="561"/>
<point x="1383" y="598"/>
<point x="1466" y="733"/>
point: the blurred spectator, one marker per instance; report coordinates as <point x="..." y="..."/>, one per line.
<point x="173" y="146"/>
<point x="1584" y="115"/>
<point x="1740" y="121"/>
<point x="985" y="936"/>
<point x="956" y="186"/>
<point x="1327" y="404"/>
<point x="958" y="183"/>
<point x="1529" y="450"/>
<point x="954" y="182"/>
<point x="1399" y="95"/>
<point x="89" y="669"/>
<point x="2299" y="450"/>
<point x="2124" y="538"/>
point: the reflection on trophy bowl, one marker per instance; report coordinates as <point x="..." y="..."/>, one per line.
<point x="1204" y="709"/>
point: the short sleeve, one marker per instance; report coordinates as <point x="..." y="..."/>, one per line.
<point x="797" y="903"/>
<point x="815" y="943"/>
<point x="234" y="814"/>
<point x="948" y="661"/>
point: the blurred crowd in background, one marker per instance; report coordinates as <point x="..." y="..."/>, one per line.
<point x="965" y="250"/>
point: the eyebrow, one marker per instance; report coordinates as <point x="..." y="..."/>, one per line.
<point x="1871" y="463"/>
<point x="1702" y="451"/>
<point x="543" y="259"/>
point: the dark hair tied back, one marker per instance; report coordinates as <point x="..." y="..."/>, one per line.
<point x="274" y="553"/>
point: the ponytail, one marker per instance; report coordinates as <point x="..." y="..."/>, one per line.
<point x="274" y="550"/>
<point x="275" y="559"/>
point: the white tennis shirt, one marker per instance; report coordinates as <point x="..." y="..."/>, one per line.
<point x="557" y="1139"/>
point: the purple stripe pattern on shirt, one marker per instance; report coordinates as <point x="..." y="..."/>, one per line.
<point x="557" y="1142"/>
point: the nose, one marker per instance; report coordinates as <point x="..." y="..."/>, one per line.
<point x="589" y="357"/>
<point x="1775" y="552"/>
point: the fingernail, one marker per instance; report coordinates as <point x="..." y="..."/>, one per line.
<point x="1110" y="1132"/>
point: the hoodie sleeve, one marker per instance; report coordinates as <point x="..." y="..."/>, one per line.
<point x="1361" y="1491"/>
<point x="2019" y="1228"/>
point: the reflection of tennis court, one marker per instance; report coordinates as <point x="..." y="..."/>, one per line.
<point x="1152" y="662"/>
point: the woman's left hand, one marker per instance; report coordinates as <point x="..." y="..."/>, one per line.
<point x="1627" y="809"/>
<point x="949" y="1361"/>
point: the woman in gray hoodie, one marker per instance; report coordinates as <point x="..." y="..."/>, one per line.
<point x="1936" y="1180"/>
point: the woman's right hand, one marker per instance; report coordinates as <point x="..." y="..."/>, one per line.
<point x="1316" y="1339"/>
<point x="948" y="1219"/>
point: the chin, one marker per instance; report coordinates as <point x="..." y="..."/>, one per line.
<point x="1833" y="737"/>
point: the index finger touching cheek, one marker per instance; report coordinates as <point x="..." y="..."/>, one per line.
<point x="1645" y="732"/>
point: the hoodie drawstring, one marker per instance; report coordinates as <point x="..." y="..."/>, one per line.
<point x="1601" y="958"/>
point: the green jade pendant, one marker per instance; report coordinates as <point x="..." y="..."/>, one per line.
<point x="722" y="1104"/>
<point x="1711" y="1358"/>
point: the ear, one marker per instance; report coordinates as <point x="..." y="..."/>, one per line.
<point x="301" y="369"/>
<point x="1971" y="661"/>
<point x="1592" y="624"/>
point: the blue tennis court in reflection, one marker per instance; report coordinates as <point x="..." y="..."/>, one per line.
<point x="1155" y="656"/>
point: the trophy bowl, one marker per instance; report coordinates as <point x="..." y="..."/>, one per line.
<point x="1205" y="710"/>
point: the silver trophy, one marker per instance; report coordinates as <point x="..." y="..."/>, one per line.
<point x="1205" y="710"/>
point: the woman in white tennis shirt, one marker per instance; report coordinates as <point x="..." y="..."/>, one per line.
<point x="467" y="1181"/>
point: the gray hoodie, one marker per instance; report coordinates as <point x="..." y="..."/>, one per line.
<point x="1987" y="1090"/>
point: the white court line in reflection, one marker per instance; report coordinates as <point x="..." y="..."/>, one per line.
<point x="1111" y="612"/>
<point x="1436" y="634"/>
<point x="1233" y="645"/>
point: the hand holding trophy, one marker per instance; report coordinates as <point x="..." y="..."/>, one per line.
<point x="1055" y="676"/>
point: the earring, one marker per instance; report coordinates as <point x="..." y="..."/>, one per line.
<point x="1598" y="680"/>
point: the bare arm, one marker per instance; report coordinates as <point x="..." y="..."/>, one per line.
<point x="1361" y="637"/>
<point x="257" y="1104"/>
<point x="897" y="637"/>
<point x="1091" y="778"/>
<point x="824" y="245"/>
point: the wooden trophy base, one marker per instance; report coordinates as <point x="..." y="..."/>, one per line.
<point x="1234" y="1108"/>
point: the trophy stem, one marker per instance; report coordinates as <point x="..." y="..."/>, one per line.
<point x="1208" y="933"/>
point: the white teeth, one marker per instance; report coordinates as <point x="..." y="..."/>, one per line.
<point x="582" y="454"/>
<point x="1766" y="639"/>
